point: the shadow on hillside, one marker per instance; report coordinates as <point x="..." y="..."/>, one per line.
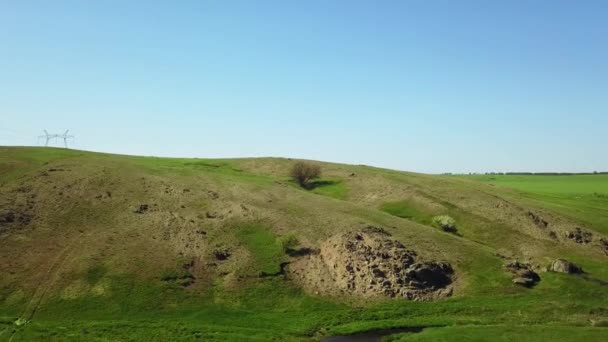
<point x="319" y="184"/>
<point x="299" y="252"/>
<point x="595" y="280"/>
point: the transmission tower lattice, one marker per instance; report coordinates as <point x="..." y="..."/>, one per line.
<point x="63" y="136"/>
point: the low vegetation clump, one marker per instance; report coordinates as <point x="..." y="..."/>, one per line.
<point x="445" y="222"/>
<point x="288" y="242"/>
<point x="303" y="173"/>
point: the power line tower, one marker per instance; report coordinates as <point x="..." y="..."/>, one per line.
<point x="63" y="136"/>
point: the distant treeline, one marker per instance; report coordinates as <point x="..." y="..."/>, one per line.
<point x="532" y="173"/>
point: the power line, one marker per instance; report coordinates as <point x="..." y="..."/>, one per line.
<point x="63" y="136"/>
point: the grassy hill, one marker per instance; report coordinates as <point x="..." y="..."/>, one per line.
<point x="109" y="247"/>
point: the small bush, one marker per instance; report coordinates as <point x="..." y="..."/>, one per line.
<point x="303" y="173"/>
<point x="445" y="222"/>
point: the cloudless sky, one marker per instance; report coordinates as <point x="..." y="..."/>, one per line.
<point x="429" y="86"/>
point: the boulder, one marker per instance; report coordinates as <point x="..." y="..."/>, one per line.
<point x="523" y="274"/>
<point x="526" y="282"/>
<point x="580" y="236"/>
<point x="565" y="266"/>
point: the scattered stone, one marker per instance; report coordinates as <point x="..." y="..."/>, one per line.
<point x="376" y="230"/>
<point x="565" y="266"/>
<point x="7" y="217"/>
<point x="580" y="235"/>
<point x="211" y="215"/>
<point x="525" y="282"/>
<point x="213" y="194"/>
<point x="142" y="209"/>
<point x="538" y="221"/>
<point x="14" y="217"/>
<point x="604" y="245"/>
<point x="222" y="254"/>
<point x="523" y="274"/>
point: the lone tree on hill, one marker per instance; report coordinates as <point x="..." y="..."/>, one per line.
<point x="303" y="173"/>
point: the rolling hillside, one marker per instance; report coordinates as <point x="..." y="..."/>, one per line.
<point x="109" y="247"/>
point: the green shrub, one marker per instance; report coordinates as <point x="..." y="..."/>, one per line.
<point x="304" y="172"/>
<point x="445" y="222"/>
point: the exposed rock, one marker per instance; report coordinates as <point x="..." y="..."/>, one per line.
<point x="580" y="236"/>
<point x="523" y="274"/>
<point x="370" y="263"/>
<point x="222" y="254"/>
<point x="538" y="221"/>
<point x="525" y="282"/>
<point x="565" y="266"/>
<point x="604" y="245"/>
<point x="430" y="274"/>
<point x="8" y="217"/>
<point x="142" y="209"/>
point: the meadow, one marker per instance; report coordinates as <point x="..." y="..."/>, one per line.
<point x="205" y="258"/>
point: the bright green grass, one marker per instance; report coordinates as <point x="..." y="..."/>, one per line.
<point x="581" y="197"/>
<point x="273" y="311"/>
<point x="264" y="246"/>
<point x="554" y="185"/>
<point x="407" y="210"/>
<point x="335" y="188"/>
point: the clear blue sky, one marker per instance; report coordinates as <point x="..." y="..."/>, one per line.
<point x="430" y="86"/>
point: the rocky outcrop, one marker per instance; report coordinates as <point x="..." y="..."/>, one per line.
<point x="538" y="220"/>
<point x="522" y="274"/>
<point x="604" y="245"/>
<point x="565" y="266"/>
<point x="580" y="235"/>
<point x="371" y="263"/>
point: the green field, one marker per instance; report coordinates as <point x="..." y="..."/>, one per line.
<point x="84" y="259"/>
<point x="583" y="197"/>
